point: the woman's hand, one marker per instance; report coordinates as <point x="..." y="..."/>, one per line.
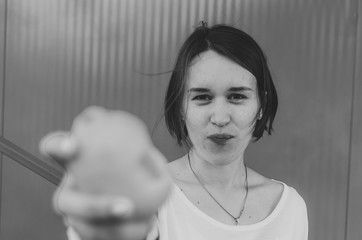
<point x="116" y="178"/>
<point x="98" y="217"/>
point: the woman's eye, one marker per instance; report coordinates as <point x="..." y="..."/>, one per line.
<point x="236" y="97"/>
<point x="203" y="97"/>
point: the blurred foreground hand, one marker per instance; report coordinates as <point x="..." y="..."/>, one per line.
<point x="116" y="179"/>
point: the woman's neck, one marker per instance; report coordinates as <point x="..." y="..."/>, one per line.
<point x="230" y="174"/>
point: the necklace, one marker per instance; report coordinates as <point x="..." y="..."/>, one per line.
<point x="236" y="219"/>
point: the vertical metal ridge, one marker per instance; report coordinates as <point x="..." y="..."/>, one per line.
<point x="1" y="188"/>
<point x="123" y="53"/>
<point x="145" y="42"/>
<point x="129" y="45"/>
<point x="3" y="29"/>
<point x="112" y="49"/>
<point x="351" y="231"/>
<point x="4" y="3"/>
<point x="76" y="54"/>
<point x="106" y="42"/>
<point x="147" y="65"/>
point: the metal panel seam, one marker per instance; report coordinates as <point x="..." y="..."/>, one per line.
<point x="4" y="68"/>
<point x="2" y="103"/>
<point x="353" y="97"/>
<point x="1" y="187"/>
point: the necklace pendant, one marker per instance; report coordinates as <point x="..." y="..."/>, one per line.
<point x="237" y="220"/>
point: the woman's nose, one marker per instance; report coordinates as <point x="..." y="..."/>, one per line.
<point x="220" y="115"/>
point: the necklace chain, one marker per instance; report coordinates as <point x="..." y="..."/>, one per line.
<point x="246" y="185"/>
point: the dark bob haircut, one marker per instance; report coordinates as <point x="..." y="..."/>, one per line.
<point x="235" y="45"/>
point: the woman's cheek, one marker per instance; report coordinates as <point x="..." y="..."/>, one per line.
<point x="247" y="116"/>
<point x="195" y="119"/>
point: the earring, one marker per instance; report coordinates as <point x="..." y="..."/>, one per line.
<point x="260" y="114"/>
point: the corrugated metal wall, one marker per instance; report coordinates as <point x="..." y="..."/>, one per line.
<point x="61" y="56"/>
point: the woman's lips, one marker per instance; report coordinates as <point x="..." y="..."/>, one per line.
<point x="220" y="139"/>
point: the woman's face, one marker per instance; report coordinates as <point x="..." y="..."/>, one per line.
<point x="220" y="105"/>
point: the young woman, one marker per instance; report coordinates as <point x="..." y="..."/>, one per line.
<point x="220" y="98"/>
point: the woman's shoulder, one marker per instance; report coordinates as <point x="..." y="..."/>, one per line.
<point x="289" y="195"/>
<point x="295" y="199"/>
<point x="265" y="186"/>
<point x="270" y="192"/>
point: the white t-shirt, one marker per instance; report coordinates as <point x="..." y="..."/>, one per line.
<point x="179" y="219"/>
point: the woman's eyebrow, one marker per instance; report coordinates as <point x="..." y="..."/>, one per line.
<point x="202" y="90"/>
<point x="240" y="89"/>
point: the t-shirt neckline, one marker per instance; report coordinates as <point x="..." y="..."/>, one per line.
<point x="216" y="223"/>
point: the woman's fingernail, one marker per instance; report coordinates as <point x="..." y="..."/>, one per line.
<point x="122" y="208"/>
